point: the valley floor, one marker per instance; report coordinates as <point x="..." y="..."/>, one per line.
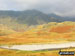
<point x="6" y="52"/>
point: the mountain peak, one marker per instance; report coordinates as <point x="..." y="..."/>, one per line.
<point x="33" y="17"/>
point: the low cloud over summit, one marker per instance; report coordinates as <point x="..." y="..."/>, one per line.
<point x="60" y="7"/>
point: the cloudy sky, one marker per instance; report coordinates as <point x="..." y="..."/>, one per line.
<point x="60" y="7"/>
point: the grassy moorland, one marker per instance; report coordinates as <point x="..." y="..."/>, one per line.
<point x="41" y="34"/>
<point x="5" y="52"/>
<point x="47" y="33"/>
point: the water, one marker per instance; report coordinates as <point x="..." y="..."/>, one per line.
<point x="40" y="46"/>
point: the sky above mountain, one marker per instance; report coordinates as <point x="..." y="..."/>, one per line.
<point x="60" y="7"/>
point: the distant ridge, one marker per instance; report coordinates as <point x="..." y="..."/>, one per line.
<point x="33" y="17"/>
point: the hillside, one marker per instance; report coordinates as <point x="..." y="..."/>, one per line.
<point x="29" y="17"/>
<point x="33" y="17"/>
<point x="46" y="33"/>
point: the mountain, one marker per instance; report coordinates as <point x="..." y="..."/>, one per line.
<point x="60" y="18"/>
<point x="33" y="17"/>
<point x="9" y="13"/>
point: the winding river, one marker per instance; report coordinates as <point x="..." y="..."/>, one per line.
<point x="34" y="47"/>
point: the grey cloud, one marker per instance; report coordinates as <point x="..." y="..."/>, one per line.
<point x="61" y="7"/>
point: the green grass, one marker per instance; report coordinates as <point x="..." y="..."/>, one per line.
<point x="6" y="52"/>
